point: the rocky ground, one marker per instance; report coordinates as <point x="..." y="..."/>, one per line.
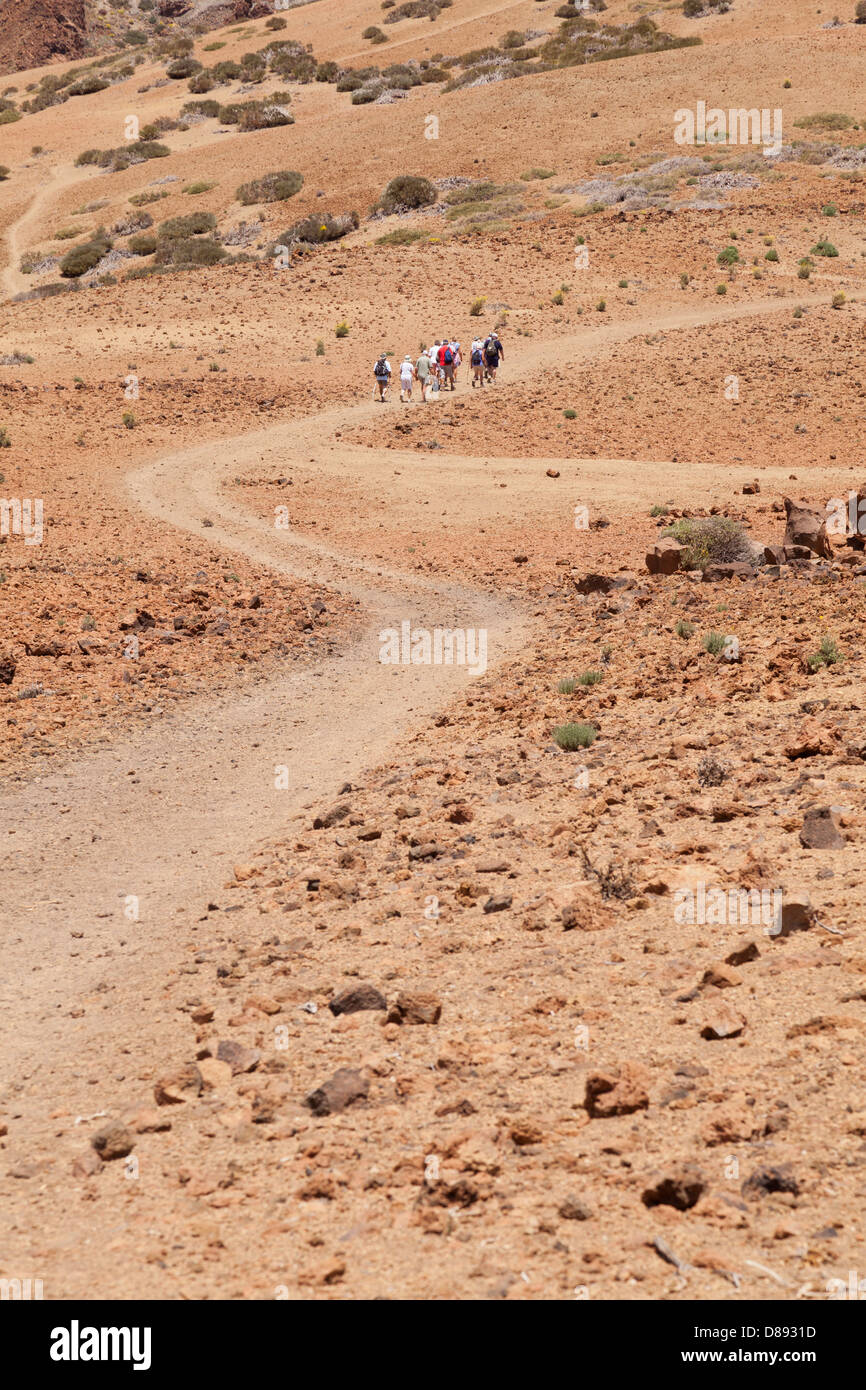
<point x="325" y="979"/>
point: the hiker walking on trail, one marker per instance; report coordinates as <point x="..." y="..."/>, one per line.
<point x="493" y="350"/>
<point x="458" y="355"/>
<point x="382" y="373"/>
<point x="476" y="362"/>
<point x="434" y="360"/>
<point x="422" y="372"/>
<point x="407" y="376"/>
<point x="446" y="362"/>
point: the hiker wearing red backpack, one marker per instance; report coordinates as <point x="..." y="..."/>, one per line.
<point x="446" y="362"/>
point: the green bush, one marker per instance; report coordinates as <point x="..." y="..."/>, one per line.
<point x="7" y="117"/>
<point x="709" y="540"/>
<point x="271" y="188"/>
<point x="254" y="115"/>
<point x="143" y="245"/>
<point x="192" y="224"/>
<point x="183" y="67"/>
<point x="201" y="108"/>
<point x="320" y="228"/>
<point x="574" y="736"/>
<point x="87" y="85"/>
<point x="407" y="191"/>
<point x="79" y="259"/>
<point x="190" y="251"/>
<point x="401" y="236"/>
<point x="342" y="330"/>
<point x="374" y="35"/>
<point x="730" y="256"/>
<point x="824" y="248"/>
<point x="202" y="82"/>
<point x="827" y="655"/>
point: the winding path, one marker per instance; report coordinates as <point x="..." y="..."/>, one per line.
<point x="164" y="813"/>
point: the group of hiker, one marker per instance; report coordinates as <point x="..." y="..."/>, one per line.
<point x="437" y="366"/>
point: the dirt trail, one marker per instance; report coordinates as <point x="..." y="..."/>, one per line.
<point x="60" y="178"/>
<point x="166" y="813"/>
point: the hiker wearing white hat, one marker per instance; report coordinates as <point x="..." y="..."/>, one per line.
<point x="407" y="376"/>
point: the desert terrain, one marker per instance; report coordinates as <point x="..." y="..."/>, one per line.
<point x="535" y="975"/>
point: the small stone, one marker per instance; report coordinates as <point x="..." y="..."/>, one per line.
<point x="795" y="914"/>
<point x="573" y="1209"/>
<point x="333" y="816"/>
<point x="721" y="976"/>
<point x="498" y="902"/>
<point x="87" y="1165"/>
<point x="214" y="1073"/>
<point x="113" y="1141"/>
<point x="343" y="1089"/>
<point x="721" y="1021"/>
<point x="765" y="1180"/>
<point x="203" y="1013"/>
<point x="679" y="1189"/>
<point x="148" y="1122"/>
<point x="357" y="998"/>
<point x="821" y="830"/>
<point x="743" y="954"/>
<point x="415" y="1008"/>
<point x="180" y="1086"/>
<point x="239" y="1058"/>
<point x="609" y="1093"/>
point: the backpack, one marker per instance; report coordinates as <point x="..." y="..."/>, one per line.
<point x="449" y="357"/>
<point x="476" y="358"/>
<point x="379" y="369"/>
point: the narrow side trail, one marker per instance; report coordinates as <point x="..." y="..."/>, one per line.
<point x="12" y="280"/>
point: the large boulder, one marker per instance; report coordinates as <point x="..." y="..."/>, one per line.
<point x="733" y="569"/>
<point x="664" y="558"/>
<point x="806" y="526"/>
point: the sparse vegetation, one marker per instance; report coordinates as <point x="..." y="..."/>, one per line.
<point x="827" y="655"/>
<point x="400" y="236"/>
<point x="709" y="540"/>
<point x="570" y="737"/>
<point x="406" y="192"/>
<point x="79" y="259"/>
<point x="684" y="629"/>
<point x="271" y="188"/>
<point x="342" y="330"/>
